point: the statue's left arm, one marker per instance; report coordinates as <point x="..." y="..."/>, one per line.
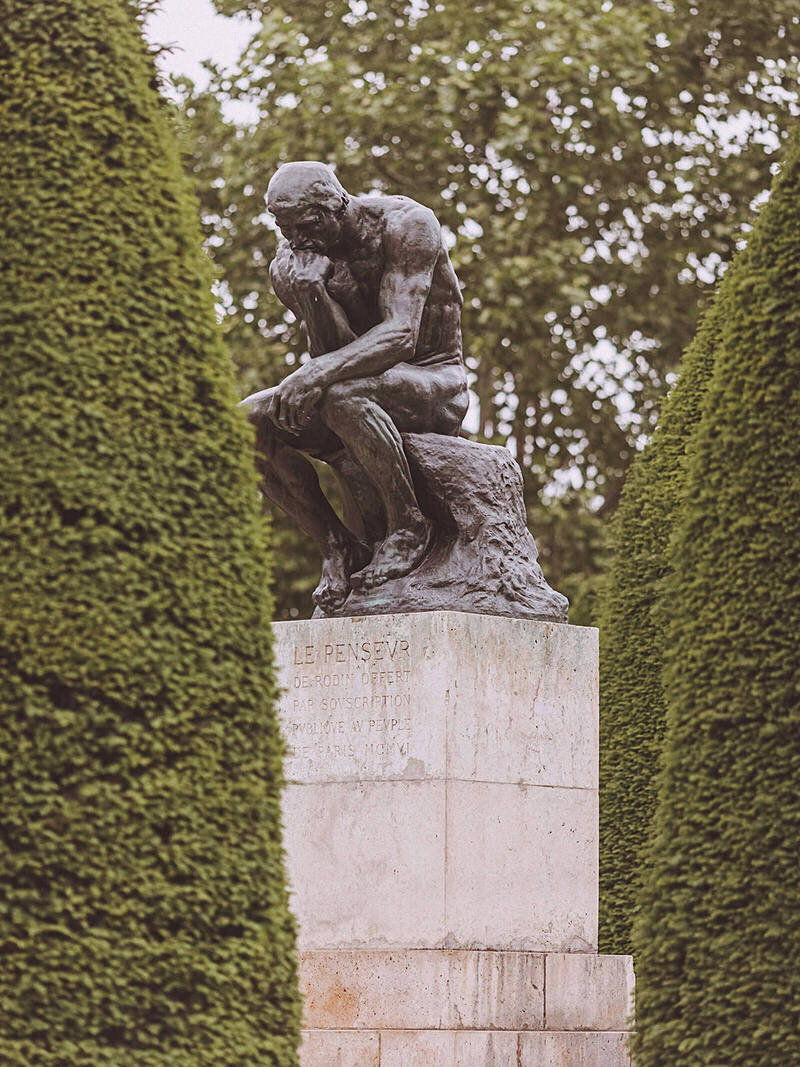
<point x="412" y="245"/>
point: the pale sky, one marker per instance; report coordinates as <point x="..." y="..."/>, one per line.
<point x="198" y="33"/>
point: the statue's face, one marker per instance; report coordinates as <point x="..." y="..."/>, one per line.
<point x="308" y="227"/>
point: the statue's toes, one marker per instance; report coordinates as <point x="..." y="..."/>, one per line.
<point x="329" y="596"/>
<point x="395" y="558"/>
<point x="319" y="599"/>
<point x="369" y="578"/>
<point x="358" y="580"/>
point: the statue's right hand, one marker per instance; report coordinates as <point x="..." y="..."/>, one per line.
<point x="307" y="269"/>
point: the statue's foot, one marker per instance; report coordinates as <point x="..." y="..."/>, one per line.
<point x="397" y="556"/>
<point x="337" y="567"/>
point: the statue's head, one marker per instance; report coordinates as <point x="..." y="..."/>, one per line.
<point x="308" y="203"/>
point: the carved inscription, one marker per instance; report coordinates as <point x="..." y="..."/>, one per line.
<point x="351" y="652"/>
<point x="348" y="708"/>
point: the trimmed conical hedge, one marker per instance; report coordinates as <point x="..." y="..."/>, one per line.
<point x="632" y="707"/>
<point x="718" y="933"/>
<point x="143" y="918"/>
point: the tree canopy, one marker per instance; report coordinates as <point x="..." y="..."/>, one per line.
<point x="594" y="163"/>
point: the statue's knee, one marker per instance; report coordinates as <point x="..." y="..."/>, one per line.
<point x="342" y="402"/>
<point x="457" y="408"/>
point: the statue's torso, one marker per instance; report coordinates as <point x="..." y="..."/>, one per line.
<point x="355" y="285"/>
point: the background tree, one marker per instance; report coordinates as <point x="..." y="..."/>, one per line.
<point x="632" y="707"/>
<point x="594" y="163"/>
<point x="144" y="917"/>
<point x="718" y="918"/>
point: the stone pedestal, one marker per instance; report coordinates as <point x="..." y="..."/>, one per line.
<point x="441" y="834"/>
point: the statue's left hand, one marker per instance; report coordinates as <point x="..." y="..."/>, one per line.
<point x="292" y="403"/>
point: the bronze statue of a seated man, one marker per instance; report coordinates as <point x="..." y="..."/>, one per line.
<point x="371" y="281"/>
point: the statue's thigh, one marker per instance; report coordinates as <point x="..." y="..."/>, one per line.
<point x="422" y="399"/>
<point x="315" y="438"/>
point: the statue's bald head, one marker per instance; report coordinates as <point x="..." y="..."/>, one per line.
<point x="305" y="182"/>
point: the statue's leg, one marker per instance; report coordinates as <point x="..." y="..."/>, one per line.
<point x="368" y="415"/>
<point x="372" y="438"/>
<point x="363" y="510"/>
<point x="290" y="481"/>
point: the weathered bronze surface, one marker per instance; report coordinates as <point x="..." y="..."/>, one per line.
<point x="371" y="281"/>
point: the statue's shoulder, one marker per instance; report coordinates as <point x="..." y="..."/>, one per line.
<point x="402" y="217"/>
<point x="398" y="210"/>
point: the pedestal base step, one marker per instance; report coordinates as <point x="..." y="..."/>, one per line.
<point x="463" y="1048"/>
<point x="465" y="1008"/>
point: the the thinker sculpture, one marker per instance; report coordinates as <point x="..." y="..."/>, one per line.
<point x="382" y="400"/>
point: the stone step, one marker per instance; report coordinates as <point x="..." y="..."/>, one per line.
<point x="463" y="1048"/>
<point x="463" y="989"/>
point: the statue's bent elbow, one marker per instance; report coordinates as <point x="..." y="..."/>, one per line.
<point x="401" y="339"/>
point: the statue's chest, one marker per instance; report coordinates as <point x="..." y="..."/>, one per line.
<point x="355" y="285"/>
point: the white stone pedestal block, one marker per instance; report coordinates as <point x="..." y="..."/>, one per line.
<point x="441" y="834"/>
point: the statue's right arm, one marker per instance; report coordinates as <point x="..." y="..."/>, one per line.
<point x="324" y="320"/>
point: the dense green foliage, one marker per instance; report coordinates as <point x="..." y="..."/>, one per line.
<point x="143" y="914"/>
<point x="577" y="153"/>
<point x="719" y="925"/>
<point x="632" y="643"/>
